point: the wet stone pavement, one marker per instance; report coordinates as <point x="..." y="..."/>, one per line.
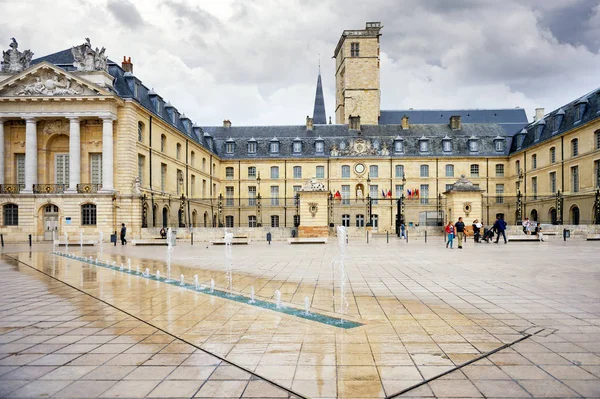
<point x="493" y="321"/>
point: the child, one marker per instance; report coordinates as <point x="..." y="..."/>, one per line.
<point x="538" y="232"/>
<point x="450" y="231"/>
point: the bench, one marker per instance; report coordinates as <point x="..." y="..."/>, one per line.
<point x="156" y="241"/>
<point x="308" y="240"/>
<point x="593" y="237"/>
<point x="62" y="243"/>
<point x="237" y="240"/>
<point x="523" y="238"/>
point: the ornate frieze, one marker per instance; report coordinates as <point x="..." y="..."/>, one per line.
<point x="15" y="61"/>
<point x="87" y="59"/>
<point x="358" y="147"/>
<point x="59" y="126"/>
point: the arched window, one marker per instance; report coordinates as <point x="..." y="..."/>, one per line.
<point x="474" y="170"/>
<point x="165" y="217"/>
<point x="178" y="151"/>
<point x="88" y="215"/>
<point x="274" y="172"/>
<point x="163" y="142"/>
<point x="140" y="132"/>
<point x="11" y="215"/>
<point x="552" y="154"/>
<point x="297" y="172"/>
<point x="203" y="164"/>
<point x="345" y="171"/>
<point x="399" y="171"/>
<point x="449" y="170"/>
<point x="193" y="158"/>
<point x="574" y="147"/>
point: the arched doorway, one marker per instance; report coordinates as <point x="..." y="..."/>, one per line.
<point x="50" y="217"/>
<point x="533" y="215"/>
<point x="575" y="215"/>
<point x="154" y="213"/>
<point x="205" y="219"/>
<point x="194" y="218"/>
<point x="553" y="216"/>
<point x="215" y="220"/>
<point x="165" y="217"/>
<point x="180" y="218"/>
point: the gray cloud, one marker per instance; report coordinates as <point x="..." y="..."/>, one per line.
<point x="126" y="13"/>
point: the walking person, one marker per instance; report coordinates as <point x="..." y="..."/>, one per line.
<point x="500" y="227"/>
<point x="460" y="231"/>
<point x="450" y="234"/>
<point x="538" y="232"/>
<point x="123" y="233"/>
<point x="402" y="231"/>
<point x="477" y="230"/>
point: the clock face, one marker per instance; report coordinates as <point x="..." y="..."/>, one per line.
<point x="359" y="168"/>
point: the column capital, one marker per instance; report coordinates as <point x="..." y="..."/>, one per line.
<point x="108" y="118"/>
<point x="73" y="118"/>
<point x="30" y="119"/>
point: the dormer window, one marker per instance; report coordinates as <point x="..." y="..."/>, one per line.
<point x="557" y="120"/>
<point x="252" y="146"/>
<point x="423" y="144"/>
<point x="499" y="144"/>
<point x="580" y="108"/>
<point x="274" y="146"/>
<point x="521" y="137"/>
<point x="229" y="146"/>
<point x="398" y="145"/>
<point x="473" y="144"/>
<point x="539" y="128"/>
<point x="297" y="146"/>
<point x="319" y="146"/>
<point x="447" y="144"/>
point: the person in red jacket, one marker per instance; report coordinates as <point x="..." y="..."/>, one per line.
<point x="450" y="234"/>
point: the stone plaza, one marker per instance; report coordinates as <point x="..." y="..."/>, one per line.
<point x="492" y="320"/>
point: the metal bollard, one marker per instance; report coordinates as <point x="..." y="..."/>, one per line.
<point x="192" y="238"/>
<point x="367" y="236"/>
<point x="425" y="235"/>
<point x="29" y="239"/>
<point x="2" y="239"/>
<point x="387" y="236"/>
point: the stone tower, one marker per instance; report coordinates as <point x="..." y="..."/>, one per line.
<point x="357" y="75"/>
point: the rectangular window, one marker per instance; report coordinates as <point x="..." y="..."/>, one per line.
<point x="274" y="172"/>
<point x="274" y="221"/>
<point x="423" y="145"/>
<point x="252" y="196"/>
<point x="320" y="172"/>
<point x="141" y="168"/>
<point x="534" y="187"/>
<point x="424" y="170"/>
<point x="374" y="171"/>
<point x="499" y="193"/>
<point x="374" y="193"/>
<point x="297" y="172"/>
<point x="319" y="147"/>
<point x="252" y="147"/>
<point x="575" y="179"/>
<point x="449" y="187"/>
<point x="163" y="177"/>
<point x="61" y="169"/>
<point x="500" y="170"/>
<point x="229" y="148"/>
<point x="345" y="171"/>
<point x="203" y="188"/>
<point x="534" y="161"/>
<point x="399" y="171"/>
<point x="424" y="194"/>
<point x="354" y="49"/>
<point x="474" y="170"/>
<point x="552" y="155"/>
<point x="398" y="146"/>
<point x="499" y="145"/>
<point x="597" y="172"/>
<point x="598" y="140"/>
<point x="574" y="147"/>
<point x="20" y="161"/>
<point x="553" y="182"/>
<point x="88" y="215"/>
<point x="360" y="220"/>
<point x="96" y="168"/>
<point x="229" y="173"/>
<point x="449" y="170"/>
<point x="275" y="195"/>
<point x="11" y="215"/>
<point x="346" y="220"/>
<point x="193" y="188"/>
<point x="229" y="196"/>
<point x="447" y="145"/>
<point x="251" y="172"/>
<point x="345" y="195"/>
<point x="274" y="147"/>
<point x="229" y="221"/>
<point x="297" y="147"/>
<point x="399" y="190"/>
<point x="252" y="221"/>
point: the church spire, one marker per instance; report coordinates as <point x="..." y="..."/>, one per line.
<point x="319" y="117"/>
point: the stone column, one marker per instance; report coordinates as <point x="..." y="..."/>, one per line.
<point x="30" y="154"/>
<point x="107" y="154"/>
<point x="74" y="154"/>
<point x="1" y="151"/>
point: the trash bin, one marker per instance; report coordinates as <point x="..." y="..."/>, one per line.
<point x="566" y="233"/>
<point x="293" y="233"/>
<point x="113" y="238"/>
<point x="269" y="238"/>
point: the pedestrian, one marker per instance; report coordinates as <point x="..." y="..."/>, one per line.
<point x="402" y="231"/>
<point x="459" y="227"/>
<point x="500" y="227"/>
<point x="450" y="234"/>
<point x="526" y="226"/>
<point x="538" y="232"/>
<point x="123" y="232"/>
<point x="477" y="230"/>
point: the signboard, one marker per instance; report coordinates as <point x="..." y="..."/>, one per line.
<point x="67" y="220"/>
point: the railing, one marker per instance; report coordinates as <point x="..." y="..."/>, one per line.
<point x="88" y="188"/>
<point x="49" y="188"/>
<point x="11" y="188"/>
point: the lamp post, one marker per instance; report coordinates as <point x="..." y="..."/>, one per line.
<point x="220" y="208"/>
<point x="559" y="207"/>
<point x="597" y="207"/>
<point x="402" y="204"/>
<point x="144" y="211"/>
<point x="182" y="211"/>
<point x="369" y="204"/>
<point x="439" y="206"/>
<point x="519" y="197"/>
<point x="258" y="204"/>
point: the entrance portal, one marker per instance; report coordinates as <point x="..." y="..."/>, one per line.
<point x="50" y="221"/>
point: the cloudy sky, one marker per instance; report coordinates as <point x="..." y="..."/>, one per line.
<point x="255" y="62"/>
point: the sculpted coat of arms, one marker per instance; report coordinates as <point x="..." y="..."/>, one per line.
<point x="15" y="61"/>
<point x="313" y="208"/>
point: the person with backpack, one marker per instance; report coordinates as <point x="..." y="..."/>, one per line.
<point x="500" y="227"/>
<point x="449" y="229"/>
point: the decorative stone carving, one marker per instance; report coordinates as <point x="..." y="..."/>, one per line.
<point x="313" y="185"/>
<point x="359" y="147"/>
<point x="88" y="59"/>
<point x="313" y="208"/>
<point x="15" y="61"/>
<point x="49" y="84"/>
<point x="60" y="126"/>
<point x="137" y="191"/>
<point x="463" y="184"/>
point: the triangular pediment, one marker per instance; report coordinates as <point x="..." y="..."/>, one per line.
<point x="47" y="80"/>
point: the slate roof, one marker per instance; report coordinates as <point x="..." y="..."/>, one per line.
<point x="545" y="128"/>
<point x="319" y="116"/>
<point x="335" y="135"/>
<point x="512" y="120"/>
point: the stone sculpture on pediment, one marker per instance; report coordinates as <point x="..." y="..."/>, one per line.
<point x="15" y="61"/>
<point x="48" y="84"/>
<point x="87" y="59"/>
<point x="358" y="147"/>
<point x="385" y="151"/>
<point x="59" y="126"/>
<point x="313" y="185"/>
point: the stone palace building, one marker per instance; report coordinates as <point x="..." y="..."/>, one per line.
<point x="87" y="146"/>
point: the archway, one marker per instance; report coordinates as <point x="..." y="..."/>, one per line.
<point x="154" y="215"/>
<point x="215" y="220"/>
<point x="194" y="218"/>
<point x="205" y="219"/>
<point x="574" y="215"/>
<point x="180" y="218"/>
<point x="553" y="216"/>
<point x="533" y="215"/>
<point x="49" y="215"/>
<point x="165" y="217"/>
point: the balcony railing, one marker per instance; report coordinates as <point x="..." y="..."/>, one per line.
<point x="88" y="188"/>
<point x="11" y="188"/>
<point x="49" y="188"/>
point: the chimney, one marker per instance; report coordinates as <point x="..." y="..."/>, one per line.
<point x="226" y="123"/>
<point x="354" y="122"/>
<point x="405" y="124"/>
<point x="127" y="65"/>
<point x="539" y="114"/>
<point x="455" y="122"/>
<point x="309" y="123"/>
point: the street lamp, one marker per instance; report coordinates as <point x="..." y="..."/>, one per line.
<point x="182" y="211"/>
<point x="144" y="211"/>
<point x="369" y="204"/>
<point x="439" y="204"/>
<point x="597" y="207"/>
<point x="559" y="207"/>
<point x="258" y="205"/>
<point x="220" y="208"/>
<point x="519" y="197"/>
